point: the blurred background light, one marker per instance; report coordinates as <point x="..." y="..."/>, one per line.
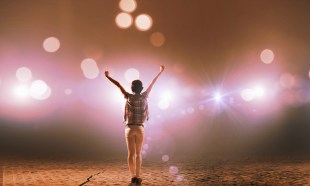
<point x="267" y="56"/>
<point x="21" y="91"/>
<point x="143" y="22"/>
<point x="128" y="5"/>
<point x="157" y="39"/>
<point x="23" y="74"/>
<point x="123" y="20"/>
<point x="131" y="74"/>
<point x="173" y="170"/>
<point x="247" y="94"/>
<point x="165" y="158"/>
<point x="51" y="44"/>
<point x="259" y="91"/>
<point x="39" y="90"/>
<point x="90" y="68"/>
<point x="217" y="97"/>
<point x="163" y="104"/>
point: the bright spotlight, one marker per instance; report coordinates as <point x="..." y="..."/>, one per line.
<point x="51" y="44"/>
<point x="259" y="92"/>
<point x="23" y="74"/>
<point x="164" y="104"/>
<point x="166" y="96"/>
<point x="217" y="97"/>
<point x="21" y="91"/>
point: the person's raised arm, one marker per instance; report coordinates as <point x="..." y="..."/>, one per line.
<point x="161" y="69"/>
<point x="115" y="83"/>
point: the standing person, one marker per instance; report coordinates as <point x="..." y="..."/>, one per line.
<point x="136" y="113"/>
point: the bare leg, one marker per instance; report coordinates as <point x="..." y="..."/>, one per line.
<point x="130" y="140"/>
<point x="139" y="143"/>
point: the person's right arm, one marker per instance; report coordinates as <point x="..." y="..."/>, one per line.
<point x="115" y="83"/>
<point x="161" y="69"/>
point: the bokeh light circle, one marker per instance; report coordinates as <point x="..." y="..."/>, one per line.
<point x="51" y="44"/>
<point x="157" y="39"/>
<point x="165" y="158"/>
<point x="128" y="5"/>
<point x="131" y="74"/>
<point x="90" y="68"/>
<point x="267" y="56"/>
<point x="123" y="20"/>
<point x="143" y="22"/>
<point x="39" y="90"/>
<point x="247" y="94"/>
<point x="23" y="74"/>
<point x="173" y="170"/>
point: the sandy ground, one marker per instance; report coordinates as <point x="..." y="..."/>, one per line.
<point x="194" y="172"/>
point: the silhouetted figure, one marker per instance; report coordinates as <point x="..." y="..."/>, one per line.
<point x="136" y="113"/>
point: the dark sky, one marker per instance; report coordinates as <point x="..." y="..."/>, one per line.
<point x="205" y="38"/>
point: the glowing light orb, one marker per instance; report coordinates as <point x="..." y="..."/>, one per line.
<point x="132" y="74"/>
<point x="23" y="74"/>
<point x="21" y="91"/>
<point x="267" y="56"/>
<point x="165" y="158"/>
<point x="173" y="170"/>
<point x="287" y="80"/>
<point x="217" y="97"/>
<point x="51" y="44"/>
<point x="259" y="92"/>
<point x="128" y="5"/>
<point x="163" y="104"/>
<point x="167" y="95"/>
<point x="157" y="39"/>
<point x="68" y="91"/>
<point x="39" y="90"/>
<point x="123" y="20"/>
<point x="90" y="68"/>
<point x="247" y="94"/>
<point x="143" y="22"/>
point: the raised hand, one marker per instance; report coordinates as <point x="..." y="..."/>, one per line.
<point x="106" y="73"/>
<point x="161" y="68"/>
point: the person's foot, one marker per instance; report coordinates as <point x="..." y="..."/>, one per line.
<point x="138" y="181"/>
<point x="134" y="180"/>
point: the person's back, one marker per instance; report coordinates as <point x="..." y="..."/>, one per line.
<point x="136" y="108"/>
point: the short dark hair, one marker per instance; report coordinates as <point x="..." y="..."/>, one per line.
<point x="136" y="86"/>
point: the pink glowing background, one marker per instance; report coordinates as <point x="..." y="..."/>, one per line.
<point x="237" y="75"/>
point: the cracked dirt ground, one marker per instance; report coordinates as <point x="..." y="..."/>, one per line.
<point x="195" y="172"/>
